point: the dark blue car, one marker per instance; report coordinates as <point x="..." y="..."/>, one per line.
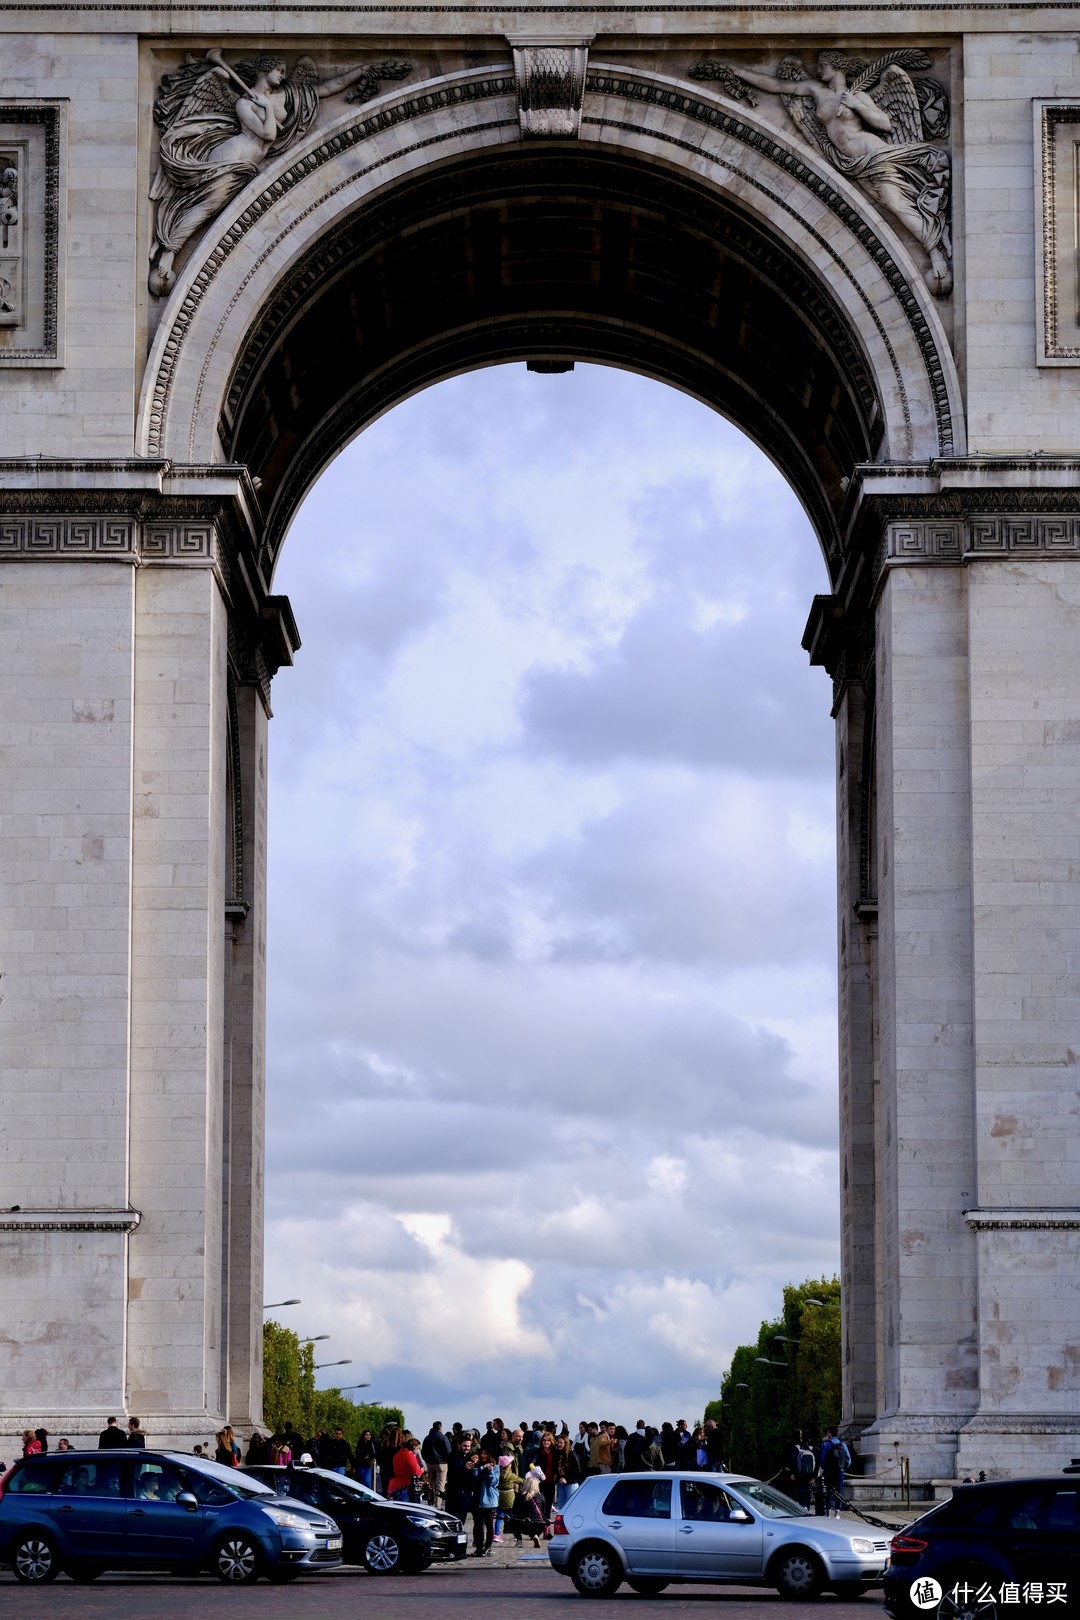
<point x="87" y="1511"/>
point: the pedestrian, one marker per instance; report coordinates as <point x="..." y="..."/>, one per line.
<point x="31" y="1445"/>
<point x="486" y="1480"/>
<point x="652" y="1455"/>
<point x="111" y="1435"/>
<point x="509" y="1486"/>
<point x="566" y="1470"/>
<point x="436" y="1454"/>
<point x="135" y="1435"/>
<point x="408" y="1469"/>
<point x="224" y="1453"/>
<point x="281" y="1451"/>
<point x="337" y="1453"/>
<point x="528" y="1510"/>
<point x="834" y="1459"/>
<point x="386" y="1449"/>
<point x="712" y="1446"/>
<point x="800" y="1466"/>
<point x="64" y="1445"/>
<point x="364" y="1463"/>
<point x="258" y="1450"/>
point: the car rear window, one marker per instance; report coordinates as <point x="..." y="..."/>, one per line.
<point x="34" y="1478"/>
<point x="640" y="1499"/>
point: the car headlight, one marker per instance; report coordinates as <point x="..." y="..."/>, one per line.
<point x="419" y="1519"/>
<point x="859" y="1544"/>
<point x="287" y="1520"/>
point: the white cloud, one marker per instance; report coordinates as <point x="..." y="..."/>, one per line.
<point x="552" y="989"/>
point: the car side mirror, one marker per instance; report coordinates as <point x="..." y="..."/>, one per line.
<point x="740" y="1516"/>
<point x="186" y="1499"/>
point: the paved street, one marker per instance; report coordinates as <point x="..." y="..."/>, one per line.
<point x="530" y="1590"/>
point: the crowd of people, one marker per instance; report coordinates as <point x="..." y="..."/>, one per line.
<point x="510" y="1480"/>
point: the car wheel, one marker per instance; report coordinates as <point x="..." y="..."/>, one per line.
<point x="595" y="1571"/>
<point x="236" y="1560"/>
<point x="646" y="1586"/>
<point x="34" y="1559"/>
<point x="84" y="1572"/>
<point x="796" y="1574"/>
<point x="966" y="1583"/>
<point x="382" y="1554"/>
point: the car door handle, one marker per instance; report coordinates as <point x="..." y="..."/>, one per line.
<point x="686" y="1529"/>
<point x="616" y="1524"/>
<point x="138" y="1513"/>
<point x="67" y="1508"/>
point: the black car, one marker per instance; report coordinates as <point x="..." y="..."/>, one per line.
<point x="991" y="1548"/>
<point x="383" y="1536"/>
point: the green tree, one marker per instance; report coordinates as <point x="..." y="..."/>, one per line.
<point x="290" y="1399"/>
<point x="790" y="1379"/>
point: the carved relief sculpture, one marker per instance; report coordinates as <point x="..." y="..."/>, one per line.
<point x="220" y="124"/>
<point x="876" y="122"/>
<point x="10" y="240"/>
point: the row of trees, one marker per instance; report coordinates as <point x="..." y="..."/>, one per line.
<point x="790" y="1379"/>
<point x="290" y="1399"/>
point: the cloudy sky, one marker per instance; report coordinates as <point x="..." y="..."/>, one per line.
<point x="552" y="1037"/>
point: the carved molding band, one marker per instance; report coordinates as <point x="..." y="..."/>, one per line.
<point x="1023" y="1220"/>
<point x="1000" y="535"/>
<point x="551" y="88"/>
<point x="70" y="1220"/>
<point x="81" y="538"/>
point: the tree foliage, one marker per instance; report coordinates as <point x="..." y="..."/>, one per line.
<point x="790" y="1379"/>
<point x="291" y="1401"/>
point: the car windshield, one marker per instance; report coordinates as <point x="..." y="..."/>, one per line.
<point x="770" y="1502"/>
<point x="342" y="1482"/>
<point x="242" y="1484"/>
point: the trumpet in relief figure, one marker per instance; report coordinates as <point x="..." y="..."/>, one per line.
<point x="877" y="123"/>
<point x="218" y="126"/>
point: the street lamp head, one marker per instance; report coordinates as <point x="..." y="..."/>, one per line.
<point x="319" y="1365"/>
<point x="823" y="1304"/>
<point x="279" y="1304"/>
<point x="782" y="1338"/>
<point x="311" y="1338"/>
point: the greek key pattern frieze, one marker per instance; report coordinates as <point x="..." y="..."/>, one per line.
<point x="77" y="537"/>
<point x="177" y="542"/>
<point x="992" y="535"/>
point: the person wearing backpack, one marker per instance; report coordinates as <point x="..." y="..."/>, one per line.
<point x="835" y="1459"/>
<point x="801" y="1465"/>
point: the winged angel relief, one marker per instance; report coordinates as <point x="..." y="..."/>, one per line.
<point x="219" y="124"/>
<point x="876" y="124"/>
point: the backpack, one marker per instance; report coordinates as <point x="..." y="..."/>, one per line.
<point x="804" y="1463"/>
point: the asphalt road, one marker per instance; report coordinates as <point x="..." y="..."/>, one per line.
<point x="530" y="1591"/>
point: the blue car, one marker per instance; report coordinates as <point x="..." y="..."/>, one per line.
<point x="82" y="1512"/>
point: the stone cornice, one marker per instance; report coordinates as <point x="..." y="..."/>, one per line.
<point x="70" y="1220"/>
<point x="1023" y="1220"/>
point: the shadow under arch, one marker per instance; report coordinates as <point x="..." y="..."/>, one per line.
<point x="677" y="238"/>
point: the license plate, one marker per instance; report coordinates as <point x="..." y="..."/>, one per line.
<point x="334" y="1544"/>
<point x="462" y="1539"/>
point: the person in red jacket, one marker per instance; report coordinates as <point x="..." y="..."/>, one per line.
<point x="407" y="1466"/>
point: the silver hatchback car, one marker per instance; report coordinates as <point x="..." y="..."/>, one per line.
<point x="655" y="1529"/>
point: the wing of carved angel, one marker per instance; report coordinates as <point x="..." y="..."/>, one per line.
<point x="896" y="95"/>
<point x="801" y="110"/>
<point x="198" y="89"/>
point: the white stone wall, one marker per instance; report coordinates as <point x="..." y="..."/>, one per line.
<point x="178" y="880"/>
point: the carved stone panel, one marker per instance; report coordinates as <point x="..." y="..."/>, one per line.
<point x="551" y="88"/>
<point x="1057" y="221"/>
<point x="31" y="223"/>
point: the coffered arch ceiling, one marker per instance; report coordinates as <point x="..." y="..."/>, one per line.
<point x="550" y="254"/>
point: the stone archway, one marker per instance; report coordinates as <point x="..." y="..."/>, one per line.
<point x="657" y="226"/>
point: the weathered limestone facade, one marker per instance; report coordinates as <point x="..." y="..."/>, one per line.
<point x="228" y="239"/>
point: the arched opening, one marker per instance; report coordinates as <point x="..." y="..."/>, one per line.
<point x="554" y="256"/>
<point x="551" y="1056"/>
